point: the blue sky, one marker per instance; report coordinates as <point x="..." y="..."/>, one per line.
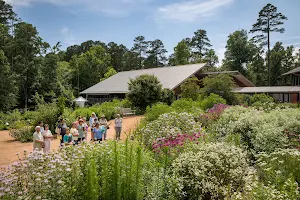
<point x="75" y="21"/>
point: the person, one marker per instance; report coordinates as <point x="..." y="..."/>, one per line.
<point x="98" y="130"/>
<point x="92" y="120"/>
<point x="86" y="127"/>
<point x="68" y="139"/>
<point x="74" y="133"/>
<point x="81" y="130"/>
<point x="118" y="126"/>
<point x="38" y="140"/>
<point x="77" y="122"/>
<point x="103" y="122"/>
<point x="92" y="129"/>
<point x="41" y="124"/>
<point x="47" y="139"/>
<point x="62" y="126"/>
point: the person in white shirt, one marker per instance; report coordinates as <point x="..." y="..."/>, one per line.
<point x="38" y="139"/>
<point x="103" y="122"/>
<point x="47" y="139"/>
<point x="118" y="127"/>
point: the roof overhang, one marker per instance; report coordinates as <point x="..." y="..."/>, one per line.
<point x="270" y="89"/>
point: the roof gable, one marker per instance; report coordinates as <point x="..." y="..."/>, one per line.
<point x="170" y="77"/>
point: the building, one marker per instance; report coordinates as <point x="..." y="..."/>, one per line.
<point x="289" y="93"/>
<point x="116" y="86"/>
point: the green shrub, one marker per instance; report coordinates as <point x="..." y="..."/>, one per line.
<point x="168" y="96"/>
<point x="153" y="112"/>
<point x="259" y="130"/>
<point x="47" y="113"/>
<point x="279" y="166"/>
<point x="168" y="124"/>
<point x="69" y="116"/>
<point x="187" y="105"/>
<point x="22" y="134"/>
<point x="210" y="171"/>
<point x="262" y="98"/>
<point x="211" y="100"/>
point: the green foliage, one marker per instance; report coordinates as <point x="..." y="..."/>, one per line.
<point x="211" y="100"/>
<point x="47" y="113"/>
<point x="221" y="85"/>
<point x="190" y="89"/>
<point x="168" y="96"/>
<point x="110" y="72"/>
<point x="210" y="171"/>
<point x="22" y="134"/>
<point x="168" y="124"/>
<point x="144" y="91"/>
<point x="112" y="170"/>
<point x="181" y="54"/>
<point x="153" y="112"/>
<point x="61" y="104"/>
<point x="259" y="130"/>
<point x="261" y="98"/>
<point x="8" y="90"/>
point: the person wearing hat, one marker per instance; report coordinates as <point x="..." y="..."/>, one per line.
<point x="118" y="126"/>
<point x="92" y="119"/>
<point x="103" y="122"/>
<point x="38" y="139"/>
<point x="81" y="131"/>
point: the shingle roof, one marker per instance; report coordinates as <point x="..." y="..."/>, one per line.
<point x="292" y="71"/>
<point x="170" y="77"/>
<point x="273" y="89"/>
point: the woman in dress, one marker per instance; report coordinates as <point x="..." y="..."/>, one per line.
<point x="38" y="140"/>
<point x="47" y="139"/>
<point x="81" y="131"/>
<point x="92" y="120"/>
<point x="103" y="122"/>
<point x="74" y="133"/>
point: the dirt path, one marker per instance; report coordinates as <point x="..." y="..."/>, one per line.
<point x="9" y="147"/>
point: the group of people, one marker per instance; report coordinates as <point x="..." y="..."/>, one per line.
<point x="77" y="134"/>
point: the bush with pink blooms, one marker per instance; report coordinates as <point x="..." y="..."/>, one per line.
<point x="212" y="114"/>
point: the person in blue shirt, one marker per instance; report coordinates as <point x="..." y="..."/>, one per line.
<point x="98" y="132"/>
<point x="68" y="139"/>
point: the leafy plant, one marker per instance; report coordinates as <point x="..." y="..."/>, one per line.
<point x="23" y="134"/>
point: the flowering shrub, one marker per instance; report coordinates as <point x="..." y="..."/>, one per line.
<point x="212" y="114"/>
<point x="24" y="134"/>
<point x="277" y="167"/>
<point x="211" y="171"/>
<point x="153" y="112"/>
<point x="167" y="149"/>
<point x="259" y="130"/>
<point x="169" y="124"/>
<point x="102" y="171"/>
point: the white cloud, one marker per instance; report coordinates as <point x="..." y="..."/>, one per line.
<point x="189" y="11"/>
<point x="116" y="8"/>
<point x="68" y="38"/>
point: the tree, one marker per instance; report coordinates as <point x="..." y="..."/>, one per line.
<point x="140" y="47"/>
<point x="277" y="56"/>
<point x="190" y="89"/>
<point x="64" y="81"/>
<point x="181" y="53"/>
<point x="90" y="67"/>
<point x="257" y="71"/>
<point x="268" y="21"/>
<point x="6" y="13"/>
<point x="221" y="85"/>
<point x="8" y="91"/>
<point x="117" y="54"/>
<point x="168" y="96"/>
<point x="156" y="54"/>
<point x="144" y="91"/>
<point x="239" y="52"/>
<point x="200" y="43"/>
<point x="211" y="58"/>
<point x="110" y="72"/>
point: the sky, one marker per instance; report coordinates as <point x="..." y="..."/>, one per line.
<point x="75" y="21"/>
